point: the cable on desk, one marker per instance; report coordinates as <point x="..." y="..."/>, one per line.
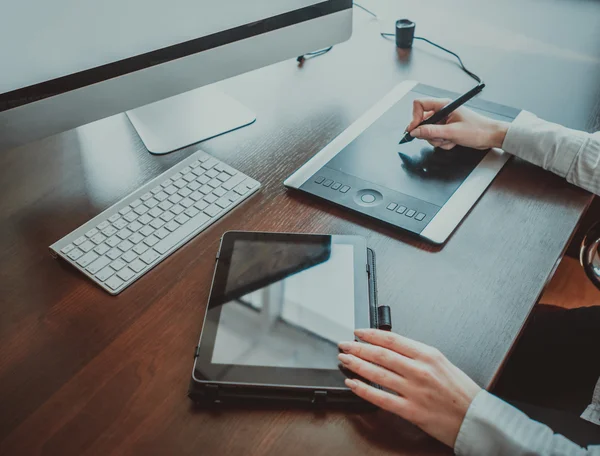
<point x="387" y="36"/>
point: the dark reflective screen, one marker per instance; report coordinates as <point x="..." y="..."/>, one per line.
<point x="285" y="305"/>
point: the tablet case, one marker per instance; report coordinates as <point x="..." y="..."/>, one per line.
<point x="205" y="394"/>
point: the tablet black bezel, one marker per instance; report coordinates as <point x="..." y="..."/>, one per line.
<point x="207" y="372"/>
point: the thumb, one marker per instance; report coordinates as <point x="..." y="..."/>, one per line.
<point x="429" y="132"/>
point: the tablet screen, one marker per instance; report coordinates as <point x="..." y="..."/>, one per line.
<point x="286" y="304"/>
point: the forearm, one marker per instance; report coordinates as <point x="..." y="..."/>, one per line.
<point x="491" y="426"/>
<point x="569" y="153"/>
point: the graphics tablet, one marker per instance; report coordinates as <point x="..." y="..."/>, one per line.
<point x="425" y="191"/>
<point x="278" y="307"/>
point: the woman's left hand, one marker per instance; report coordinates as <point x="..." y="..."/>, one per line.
<point x="429" y="390"/>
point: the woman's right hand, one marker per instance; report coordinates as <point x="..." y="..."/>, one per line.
<point x="463" y="127"/>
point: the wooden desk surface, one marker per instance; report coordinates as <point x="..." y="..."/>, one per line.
<point x="82" y="372"/>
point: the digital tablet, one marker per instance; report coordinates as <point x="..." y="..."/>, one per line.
<point x="278" y="307"/>
<point x="413" y="186"/>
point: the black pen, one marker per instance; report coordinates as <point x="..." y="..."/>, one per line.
<point x="445" y="111"/>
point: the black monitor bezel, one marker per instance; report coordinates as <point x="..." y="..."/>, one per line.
<point x="284" y="377"/>
<point x="57" y="86"/>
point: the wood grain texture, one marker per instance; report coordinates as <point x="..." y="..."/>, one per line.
<point x="84" y="373"/>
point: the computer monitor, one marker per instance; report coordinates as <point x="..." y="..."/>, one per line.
<point x="65" y="63"/>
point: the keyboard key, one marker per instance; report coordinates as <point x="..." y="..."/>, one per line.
<point x="194" y="164"/>
<point x="196" y="196"/>
<point x="87" y="246"/>
<point x="189" y="177"/>
<point x="344" y="189"/>
<point x="214" y="183"/>
<point x="165" y="205"/>
<point x="184" y="191"/>
<point x="131" y="216"/>
<point x="208" y="164"/>
<point x="146" y="231"/>
<point x="103" y="225"/>
<point x="140" y="248"/>
<point x="191" y="212"/>
<point x="105" y="273"/>
<point x="136" y="238"/>
<point x="102" y="249"/>
<point x="120" y="224"/>
<point x="98" y="239"/>
<point x="212" y="173"/>
<point x="91" y="233"/>
<point x="98" y="264"/>
<point x="166" y="183"/>
<point x="210" y="198"/>
<point x="186" y="202"/>
<point x="186" y="170"/>
<point x="151" y="203"/>
<point x="198" y="171"/>
<point x="124" y="233"/>
<point x="129" y="256"/>
<point x="109" y="231"/>
<point x="140" y="210"/>
<point x="177" y="209"/>
<point x="172" y="225"/>
<point x="176" y="176"/>
<point x="223" y="202"/>
<point x="117" y="265"/>
<point x="401" y="210"/>
<point x="151" y="240"/>
<point x="67" y="248"/>
<point x="80" y="240"/>
<point x="114" y="282"/>
<point x="156" y="190"/>
<point x="420" y="216"/>
<point x="137" y="265"/>
<point x="201" y="205"/>
<point x="145" y="219"/>
<point x="155" y="212"/>
<point x="336" y="185"/>
<point x="133" y="227"/>
<point x="161" y="196"/>
<point x="235" y="180"/>
<point x="125" y="210"/>
<point x="157" y="223"/>
<point x="135" y="203"/>
<point x="212" y="210"/>
<point x="113" y="253"/>
<point x="171" y="189"/>
<point x="180" y="183"/>
<point x="391" y="207"/>
<point x="149" y="257"/>
<point x="220" y="167"/>
<point x="181" y="233"/>
<point x="204" y="179"/>
<point x="146" y="196"/>
<point x="161" y="233"/>
<point x="114" y="218"/>
<point x="223" y="177"/>
<point x="167" y="216"/>
<point x="205" y="189"/>
<point x="193" y="186"/>
<point x="175" y="199"/>
<point x="181" y="219"/>
<point x="87" y="259"/>
<point x="219" y="191"/>
<point x="125" y="246"/>
<point x="125" y="274"/>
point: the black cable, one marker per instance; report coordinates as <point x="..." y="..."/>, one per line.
<point x="462" y="65"/>
<point x="366" y="10"/>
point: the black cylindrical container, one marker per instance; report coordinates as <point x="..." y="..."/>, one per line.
<point x="405" y="33"/>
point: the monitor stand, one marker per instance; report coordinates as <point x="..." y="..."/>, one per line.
<point x="188" y="118"/>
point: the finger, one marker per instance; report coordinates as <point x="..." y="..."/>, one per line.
<point x="428" y="132"/>
<point x="373" y="373"/>
<point x="388" y="359"/>
<point x="392" y="341"/>
<point x="425" y="108"/>
<point x="437" y="142"/>
<point x="447" y="145"/>
<point x="382" y="399"/>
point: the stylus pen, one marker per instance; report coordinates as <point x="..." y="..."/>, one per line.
<point x="445" y="111"/>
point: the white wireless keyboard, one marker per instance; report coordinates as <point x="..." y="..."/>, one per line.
<point x="127" y="240"/>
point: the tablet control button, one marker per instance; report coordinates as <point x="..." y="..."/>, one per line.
<point x="344" y="189"/>
<point x="367" y="198"/>
<point x="327" y="183"/>
<point x="335" y="186"/>
<point x="420" y="216"/>
<point x="410" y="212"/>
<point x="401" y="210"/>
<point x="319" y="180"/>
<point x="392" y="206"/>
